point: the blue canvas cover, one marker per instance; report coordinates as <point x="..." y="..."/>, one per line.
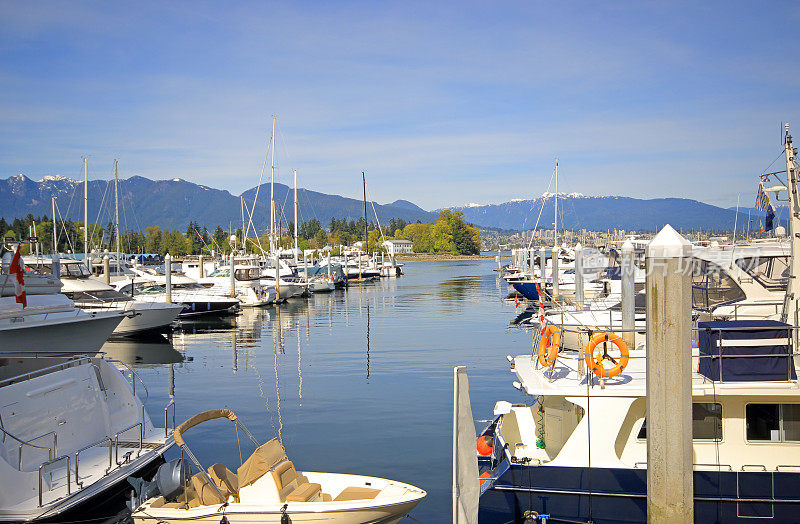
<point x="724" y="346"/>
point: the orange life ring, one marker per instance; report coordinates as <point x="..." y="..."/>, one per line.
<point x="549" y="346"/>
<point x="485" y="445"/>
<point x="596" y="363"/>
<point x="484" y="477"/>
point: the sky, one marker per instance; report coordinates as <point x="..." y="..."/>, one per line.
<point x="441" y="103"/>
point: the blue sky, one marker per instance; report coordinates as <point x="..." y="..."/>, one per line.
<point x="442" y="103"/>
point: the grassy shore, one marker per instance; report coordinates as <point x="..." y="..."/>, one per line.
<point x="433" y="257"/>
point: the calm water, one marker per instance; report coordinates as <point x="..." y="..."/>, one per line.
<point x="356" y="381"/>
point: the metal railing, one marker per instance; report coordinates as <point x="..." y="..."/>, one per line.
<point x="49" y="462"/>
<point x="170" y="404"/>
<point x="72" y="362"/>
<point x="90" y="446"/>
<point x="579" y="354"/>
<point x="134" y="377"/>
<point x="22" y="443"/>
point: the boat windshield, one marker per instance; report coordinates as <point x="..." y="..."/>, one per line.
<point x="221" y="273"/>
<point x="75" y="270"/>
<point x="103" y="295"/>
<point x="712" y="286"/>
<point x="771" y="272"/>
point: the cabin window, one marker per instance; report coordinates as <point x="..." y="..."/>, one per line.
<point x="711" y="286"/>
<point x="773" y="422"/>
<point x="706" y="422"/>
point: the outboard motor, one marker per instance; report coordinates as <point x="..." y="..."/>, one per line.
<point x="167" y="482"/>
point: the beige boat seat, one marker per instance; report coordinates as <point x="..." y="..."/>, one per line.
<point x="206" y="495"/>
<point x="263" y="459"/>
<point x="225" y="480"/>
<point x="357" y="493"/>
<point x="289" y="489"/>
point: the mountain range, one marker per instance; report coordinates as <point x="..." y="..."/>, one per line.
<point x="173" y="203"/>
<point x="577" y="211"/>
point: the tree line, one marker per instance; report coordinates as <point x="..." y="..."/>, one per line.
<point x="448" y="234"/>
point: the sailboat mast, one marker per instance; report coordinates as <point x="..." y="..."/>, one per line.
<point x="55" y="241"/>
<point x="295" y="218"/>
<point x="555" y="211"/>
<point x="116" y="213"/>
<point x="86" y="214"/>
<point x="366" y="233"/>
<point x="272" y="192"/>
<point x="244" y="232"/>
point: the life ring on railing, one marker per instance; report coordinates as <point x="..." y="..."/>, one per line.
<point x="549" y="345"/>
<point x="485" y="445"/>
<point x="596" y="363"/>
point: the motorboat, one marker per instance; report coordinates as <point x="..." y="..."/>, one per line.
<point x="53" y="323"/>
<point x="249" y="288"/>
<point x="90" y="294"/>
<point x="197" y="300"/>
<point x="582" y="437"/>
<point x="72" y="431"/>
<point x="268" y="488"/>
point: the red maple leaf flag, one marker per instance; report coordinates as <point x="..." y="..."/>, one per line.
<point x="19" y="283"/>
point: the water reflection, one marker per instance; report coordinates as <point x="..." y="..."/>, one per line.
<point x="149" y="351"/>
<point x="372" y="366"/>
<point x="460" y="288"/>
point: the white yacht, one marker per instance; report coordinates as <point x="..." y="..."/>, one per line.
<point x="92" y="295"/>
<point x="581" y="437"/>
<point x="72" y="430"/>
<point x="53" y="323"/>
<point x="197" y="300"/>
<point x="250" y="290"/>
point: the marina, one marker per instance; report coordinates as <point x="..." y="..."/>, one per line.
<point x="399" y="263"/>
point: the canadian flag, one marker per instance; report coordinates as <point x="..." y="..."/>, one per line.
<point x="19" y="283"/>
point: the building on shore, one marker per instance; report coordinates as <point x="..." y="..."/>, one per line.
<point x="400" y="246"/>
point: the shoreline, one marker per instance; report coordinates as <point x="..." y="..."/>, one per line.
<point x="439" y="257"/>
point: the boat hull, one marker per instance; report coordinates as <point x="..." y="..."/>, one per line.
<point x="526" y="288"/>
<point x="153" y="317"/>
<point x="617" y="495"/>
<point x="79" y="333"/>
<point x="383" y="515"/>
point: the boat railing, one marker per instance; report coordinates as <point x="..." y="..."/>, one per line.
<point x="139" y="425"/>
<point x="48" y="463"/>
<point x="113" y="444"/>
<point x="642" y="464"/>
<point x="133" y="378"/>
<point x="15" y="315"/>
<point x="170" y="404"/>
<point x="739" y="307"/>
<point x="29" y="443"/>
<point x="105" y="440"/>
<point x="579" y="355"/>
<point x="72" y="362"/>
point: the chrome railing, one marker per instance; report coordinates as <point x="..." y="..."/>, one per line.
<point x="43" y="371"/>
<point x="54" y="461"/>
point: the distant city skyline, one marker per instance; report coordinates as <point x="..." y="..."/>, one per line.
<point x="442" y="104"/>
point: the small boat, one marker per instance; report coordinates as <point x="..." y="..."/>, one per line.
<point x="268" y="488"/>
